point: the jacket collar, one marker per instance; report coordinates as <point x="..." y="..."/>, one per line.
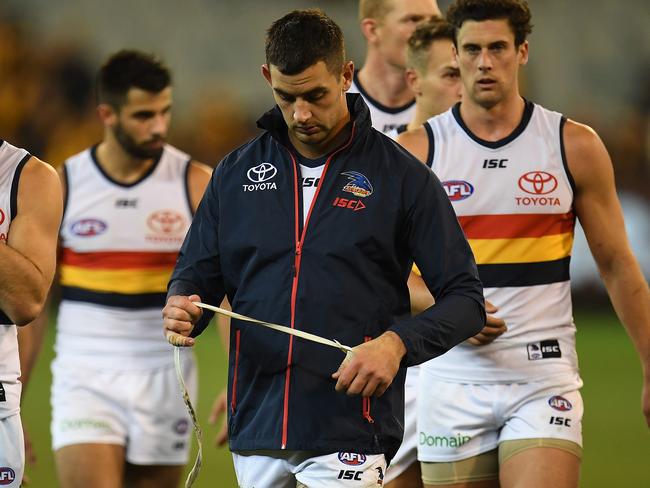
<point x="273" y="122"/>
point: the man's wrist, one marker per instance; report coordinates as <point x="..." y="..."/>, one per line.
<point x="396" y="343"/>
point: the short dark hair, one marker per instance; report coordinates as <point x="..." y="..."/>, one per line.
<point x="130" y="69"/>
<point x="302" y="38"/>
<point x="417" y="49"/>
<point x="516" y="12"/>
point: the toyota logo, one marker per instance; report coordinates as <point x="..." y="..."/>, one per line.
<point x="261" y="173"/>
<point x="166" y="222"/>
<point x="538" y="182"/>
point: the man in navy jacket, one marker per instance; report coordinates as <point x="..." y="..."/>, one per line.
<point x="315" y="224"/>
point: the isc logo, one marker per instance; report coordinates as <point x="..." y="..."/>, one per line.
<point x="458" y="189"/>
<point x="566" y="422"/>
<point x="494" y="163"/>
<point x="352" y="458"/>
<point x="7" y="476"/>
<point x="350" y="474"/>
<point x="354" y="205"/>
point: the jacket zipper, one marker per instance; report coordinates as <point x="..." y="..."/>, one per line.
<point x="299" y="240"/>
<point x="366" y="400"/>
<point x="233" y="398"/>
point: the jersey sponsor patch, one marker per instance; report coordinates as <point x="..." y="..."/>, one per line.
<point x="7" y="475"/>
<point x="181" y="426"/>
<point x="3" y="396"/>
<point x="88" y="227"/>
<point x="458" y="189"/>
<point x="544" y="349"/>
<point x="537" y="182"/>
<point x="352" y="458"/>
<point x="2" y="216"/>
<point x="351" y="204"/>
<point x="310" y="182"/>
<point x="560" y="403"/>
<point x="166" y="222"/>
<point x="259" y="176"/>
<point x="126" y="203"/>
<point x="358" y="185"/>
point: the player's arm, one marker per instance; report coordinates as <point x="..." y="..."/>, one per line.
<point x="416" y="142"/>
<point x="197" y="274"/>
<point x="438" y="245"/>
<point x="198" y="177"/>
<point x="601" y="217"/>
<point x="28" y="260"/>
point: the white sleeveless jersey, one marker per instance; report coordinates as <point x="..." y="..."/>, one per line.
<point x="12" y="161"/>
<point x="384" y="118"/>
<point x="514" y="200"/>
<point x="119" y="247"/>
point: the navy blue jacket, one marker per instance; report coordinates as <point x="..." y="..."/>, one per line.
<point x="342" y="276"/>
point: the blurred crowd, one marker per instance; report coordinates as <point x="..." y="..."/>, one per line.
<point x="48" y="107"/>
<point x="48" y="104"/>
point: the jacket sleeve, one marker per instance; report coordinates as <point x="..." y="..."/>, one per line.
<point x="442" y="253"/>
<point x="198" y="267"/>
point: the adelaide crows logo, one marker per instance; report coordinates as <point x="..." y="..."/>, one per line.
<point x="358" y="185"/>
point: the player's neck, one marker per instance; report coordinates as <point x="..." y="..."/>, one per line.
<point x="120" y="165"/>
<point x="421" y="116"/>
<point x="384" y="83"/>
<point x="494" y="123"/>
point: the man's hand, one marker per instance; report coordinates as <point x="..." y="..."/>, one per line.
<point x="179" y="317"/>
<point x="370" y="368"/>
<point x="219" y="408"/>
<point x="493" y="328"/>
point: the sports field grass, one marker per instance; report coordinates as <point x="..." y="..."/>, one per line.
<point x="617" y="442"/>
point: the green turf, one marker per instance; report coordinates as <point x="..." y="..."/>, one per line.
<point x="617" y="441"/>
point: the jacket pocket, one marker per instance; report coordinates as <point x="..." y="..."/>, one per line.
<point x="233" y="396"/>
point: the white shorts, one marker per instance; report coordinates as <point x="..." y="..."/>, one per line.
<point x="458" y="421"/>
<point x="141" y="410"/>
<point x="408" y="450"/>
<point x="12" y="452"/>
<point x="288" y="469"/>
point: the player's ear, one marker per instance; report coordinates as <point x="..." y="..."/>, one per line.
<point x="523" y="53"/>
<point x="369" y="29"/>
<point x="347" y="74"/>
<point x="107" y="114"/>
<point x="413" y="81"/>
<point x="266" y="73"/>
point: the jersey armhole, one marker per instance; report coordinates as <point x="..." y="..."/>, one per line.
<point x="188" y="199"/>
<point x="430" y="152"/>
<point x="66" y="197"/>
<point x="13" y="198"/>
<point x="563" y="153"/>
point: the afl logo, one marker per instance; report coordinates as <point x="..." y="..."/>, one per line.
<point x="88" y="227"/>
<point x="458" y="189"/>
<point x="538" y="182"/>
<point x="166" y="222"/>
<point x="2" y="217"/>
<point x="560" y="403"/>
<point x="352" y="458"/>
<point x="261" y="173"/>
<point x="7" y="476"/>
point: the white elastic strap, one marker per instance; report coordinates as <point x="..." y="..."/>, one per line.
<point x="281" y="328"/>
<point x="191" y="478"/>
<point x="186" y="396"/>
